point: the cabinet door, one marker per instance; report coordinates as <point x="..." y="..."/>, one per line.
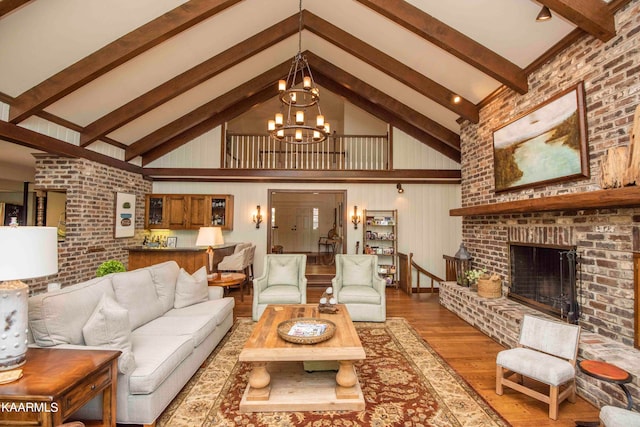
<point x="198" y="212"/>
<point x="221" y="211"/>
<point x="155" y="216"/>
<point x="176" y="211"/>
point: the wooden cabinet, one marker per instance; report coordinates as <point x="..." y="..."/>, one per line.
<point x="188" y="211"/>
<point x="380" y="237"/>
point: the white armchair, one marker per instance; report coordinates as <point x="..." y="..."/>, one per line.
<point x="358" y="286"/>
<point x="283" y="281"/>
<point x="546" y="352"/>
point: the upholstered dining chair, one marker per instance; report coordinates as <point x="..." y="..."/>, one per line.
<point x="283" y="281"/>
<point x="547" y="352"/>
<point x="240" y="261"/>
<point x="358" y="286"/>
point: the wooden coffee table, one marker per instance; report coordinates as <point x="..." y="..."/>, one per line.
<point x="278" y="381"/>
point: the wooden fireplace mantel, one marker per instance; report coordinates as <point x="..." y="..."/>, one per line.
<point x="611" y="198"/>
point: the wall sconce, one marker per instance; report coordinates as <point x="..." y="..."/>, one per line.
<point x="355" y="219"/>
<point x="399" y="187"/>
<point x="257" y="217"/>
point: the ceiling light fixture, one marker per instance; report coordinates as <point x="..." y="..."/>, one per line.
<point x="544" y="15"/>
<point x="290" y="124"/>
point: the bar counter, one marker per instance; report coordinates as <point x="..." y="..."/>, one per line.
<point x="189" y="258"/>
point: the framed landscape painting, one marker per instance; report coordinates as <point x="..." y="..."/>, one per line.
<point x="545" y="145"/>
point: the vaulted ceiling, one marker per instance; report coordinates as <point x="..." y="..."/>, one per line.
<point x="147" y="76"/>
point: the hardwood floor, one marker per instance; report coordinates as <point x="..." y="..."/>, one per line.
<point x="471" y="353"/>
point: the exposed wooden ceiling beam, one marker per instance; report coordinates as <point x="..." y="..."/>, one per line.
<point x="431" y="176"/>
<point x="7" y="6"/>
<point x="28" y="138"/>
<point x="390" y="66"/>
<point x="387" y="116"/>
<point x="451" y="40"/>
<point x="189" y="79"/>
<point x="113" y="55"/>
<point x="223" y="116"/>
<point x="382" y="106"/>
<point x="206" y="111"/>
<point x="442" y="135"/>
<point x="593" y="16"/>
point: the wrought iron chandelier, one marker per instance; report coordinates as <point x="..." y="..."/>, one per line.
<point x="298" y="93"/>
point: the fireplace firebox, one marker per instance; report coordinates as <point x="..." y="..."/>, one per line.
<point x="545" y="277"/>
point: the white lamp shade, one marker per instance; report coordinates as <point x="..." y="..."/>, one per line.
<point x="28" y="252"/>
<point x="209" y="236"/>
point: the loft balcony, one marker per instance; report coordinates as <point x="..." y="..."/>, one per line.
<point x="338" y="152"/>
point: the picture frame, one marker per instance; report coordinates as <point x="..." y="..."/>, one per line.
<point x="125" y="215"/>
<point x="545" y="145"/>
<point x="172" y="241"/>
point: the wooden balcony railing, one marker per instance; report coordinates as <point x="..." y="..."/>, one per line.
<point x="338" y="152"/>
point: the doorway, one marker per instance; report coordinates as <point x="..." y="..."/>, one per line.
<point x="299" y="218"/>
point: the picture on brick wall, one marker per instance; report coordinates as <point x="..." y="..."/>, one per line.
<point x="545" y="145"/>
<point x="125" y="220"/>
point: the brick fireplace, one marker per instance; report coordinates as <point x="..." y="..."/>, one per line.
<point x="602" y="234"/>
<point x="545" y="277"/>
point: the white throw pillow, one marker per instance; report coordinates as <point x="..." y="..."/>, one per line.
<point x="191" y="289"/>
<point x="357" y="271"/>
<point x="108" y="326"/>
<point x="283" y="271"/>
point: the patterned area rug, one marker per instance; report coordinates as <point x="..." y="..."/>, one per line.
<point x="404" y="381"/>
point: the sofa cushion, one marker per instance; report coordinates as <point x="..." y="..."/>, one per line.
<point x="358" y="294"/>
<point x="220" y="308"/>
<point x="196" y="327"/>
<point x="58" y="317"/>
<point x="191" y="289"/>
<point x="280" y="294"/>
<point x="164" y="276"/>
<point x="136" y="292"/>
<point x="283" y="271"/>
<point x="157" y="356"/>
<point x="357" y="271"/>
<point x="109" y="327"/>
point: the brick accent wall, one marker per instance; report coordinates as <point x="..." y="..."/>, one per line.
<point x="611" y="75"/>
<point x="90" y="188"/>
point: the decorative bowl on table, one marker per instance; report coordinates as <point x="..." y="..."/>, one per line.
<point x="306" y="330"/>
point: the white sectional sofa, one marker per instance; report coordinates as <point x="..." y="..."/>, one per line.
<point x="165" y="323"/>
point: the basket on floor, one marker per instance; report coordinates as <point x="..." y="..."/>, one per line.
<point x="490" y="286"/>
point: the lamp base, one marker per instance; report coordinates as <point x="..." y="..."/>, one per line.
<point x="13" y="324"/>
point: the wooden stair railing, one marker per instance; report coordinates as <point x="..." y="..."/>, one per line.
<point x="407" y="265"/>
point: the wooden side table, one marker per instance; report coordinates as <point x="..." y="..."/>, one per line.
<point x="230" y="279"/>
<point x="608" y="373"/>
<point x="56" y="383"/>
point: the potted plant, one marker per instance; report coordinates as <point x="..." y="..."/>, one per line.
<point x="108" y="267"/>
<point x="472" y="277"/>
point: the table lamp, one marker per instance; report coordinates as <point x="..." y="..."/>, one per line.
<point x="25" y="253"/>
<point x="210" y="236"/>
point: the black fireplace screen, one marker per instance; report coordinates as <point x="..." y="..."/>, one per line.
<point x="544" y="277"/>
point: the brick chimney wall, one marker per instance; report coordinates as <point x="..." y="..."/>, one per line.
<point x="611" y="75"/>
<point x="90" y="189"/>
